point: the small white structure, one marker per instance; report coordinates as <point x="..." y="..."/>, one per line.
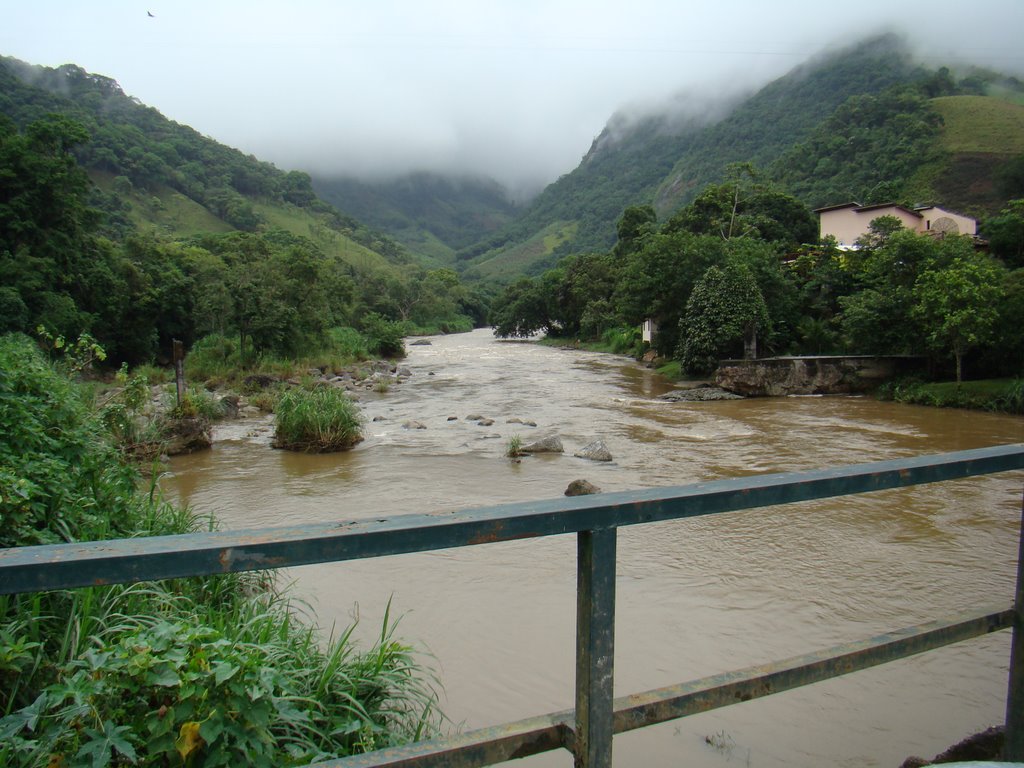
<point x="849" y="221"/>
<point x="649" y="329"/>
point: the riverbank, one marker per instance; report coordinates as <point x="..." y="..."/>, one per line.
<point x="994" y="395"/>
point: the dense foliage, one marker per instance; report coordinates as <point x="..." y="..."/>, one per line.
<point x="866" y="150"/>
<point x="214" y="671"/>
<point x="278" y="293"/>
<point x="729" y="270"/>
<point x="73" y="260"/>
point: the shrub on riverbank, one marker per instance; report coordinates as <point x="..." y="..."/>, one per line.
<point x="1002" y="395"/>
<point x="217" y="358"/>
<point x="316" y="421"/>
<point x="210" y="671"/>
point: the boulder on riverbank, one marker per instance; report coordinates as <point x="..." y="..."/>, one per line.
<point x="187" y="436"/>
<point x="549" y="444"/>
<point x="594" y="451"/>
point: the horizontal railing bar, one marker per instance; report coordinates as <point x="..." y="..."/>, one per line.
<point x="660" y="705"/>
<point x="62" y="566"/>
<point x="500" y="743"/>
<point x="481" y="747"/>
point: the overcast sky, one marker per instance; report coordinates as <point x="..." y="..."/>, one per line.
<point x="514" y="89"/>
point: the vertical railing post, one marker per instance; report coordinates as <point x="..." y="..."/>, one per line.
<point x="1013" y="749"/>
<point x="595" y="647"/>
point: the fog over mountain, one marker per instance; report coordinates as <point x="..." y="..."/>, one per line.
<point x="513" y="90"/>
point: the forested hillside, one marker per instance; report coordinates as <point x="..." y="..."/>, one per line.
<point x="865" y="123"/>
<point x="665" y="163"/>
<point x="432" y="215"/>
<point x="117" y="222"/>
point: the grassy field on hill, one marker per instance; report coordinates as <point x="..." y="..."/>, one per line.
<point x="164" y="210"/>
<point x="300" y="222"/>
<point x="508" y="264"/>
<point x="981" y="124"/>
<point x="979" y="134"/>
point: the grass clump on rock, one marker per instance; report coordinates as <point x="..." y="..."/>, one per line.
<point x="319" y="420"/>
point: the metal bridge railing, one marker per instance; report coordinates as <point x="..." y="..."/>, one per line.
<point x="587" y="730"/>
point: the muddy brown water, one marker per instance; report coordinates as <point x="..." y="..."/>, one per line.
<point x="694" y="597"/>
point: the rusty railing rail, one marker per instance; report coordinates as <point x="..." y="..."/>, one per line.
<point x="587" y="730"/>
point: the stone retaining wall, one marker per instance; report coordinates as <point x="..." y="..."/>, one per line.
<point x="778" y="376"/>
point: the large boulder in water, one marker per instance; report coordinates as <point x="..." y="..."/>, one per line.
<point x="581" y="488"/>
<point x="549" y="444"/>
<point x="595" y="451"/>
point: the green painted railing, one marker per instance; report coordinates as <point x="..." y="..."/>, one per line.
<point x="587" y="730"/>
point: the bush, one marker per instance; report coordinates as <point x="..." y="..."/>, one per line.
<point x="59" y="479"/>
<point x="1001" y="395"/>
<point x="173" y="691"/>
<point x="213" y="356"/>
<point x="383" y="336"/>
<point x="624" y="341"/>
<point x="317" y="421"/>
<point x="348" y="343"/>
<point x="198" y="404"/>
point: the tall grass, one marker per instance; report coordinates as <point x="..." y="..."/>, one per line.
<point x="319" y="420"/>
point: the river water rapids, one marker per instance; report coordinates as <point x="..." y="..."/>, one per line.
<point x="694" y="597"/>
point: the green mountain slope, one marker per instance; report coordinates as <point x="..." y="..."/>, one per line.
<point x="666" y="163"/>
<point x="980" y="134"/>
<point x="158" y="175"/>
<point x="432" y="215"/>
<point x="903" y="146"/>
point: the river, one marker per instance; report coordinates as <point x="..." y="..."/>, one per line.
<point x="694" y="597"/>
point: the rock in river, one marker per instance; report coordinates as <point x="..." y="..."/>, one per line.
<point x="699" y="395"/>
<point x="549" y="444"/>
<point x="595" y="451"/>
<point x="581" y="488"/>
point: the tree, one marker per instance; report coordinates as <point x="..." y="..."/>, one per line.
<point x="522" y="310"/>
<point x="636" y="222"/>
<point x="725" y="308"/>
<point x="959" y="305"/>
<point x="745" y="206"/>
<point x="656" y="281"/>
<point x="1005" y="233"/>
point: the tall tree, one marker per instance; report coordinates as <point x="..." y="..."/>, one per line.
<point x="959" y="305"/>
<point x="724" y="314"/>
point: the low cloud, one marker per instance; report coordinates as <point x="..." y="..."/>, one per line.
<point x="513" y="90"/>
